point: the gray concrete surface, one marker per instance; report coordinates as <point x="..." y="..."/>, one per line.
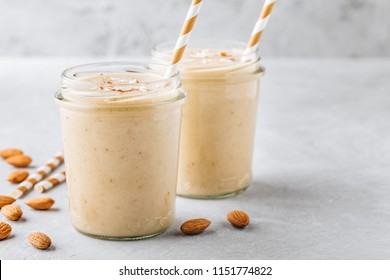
<point x="321" y="186"/>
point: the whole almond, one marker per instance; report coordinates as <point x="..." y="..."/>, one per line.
<point x="12" y="212"/>
<point x="6" y="200"/>
<point x="6" y="153"/>
<point x="194" y="226"/>
<point x="5" y="230"/>
<point x="17" y="176"/>
<point x="19" y="160"/>
<point x="40" y="203"/>
<point x="238" y="218"/>
<point x="39" y="240"/>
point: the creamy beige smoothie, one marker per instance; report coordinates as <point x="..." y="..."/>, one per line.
<point x="219" y="117"/>
<point x="120" y="128"/>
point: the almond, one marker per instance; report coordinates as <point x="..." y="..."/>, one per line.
<point x="12" y="212"/>
<point x="5" y="200"/>
<point x="5" y="230"/>
<point x="17" y="176"/>
<point x="224" y="54"/>
<point x="195" y="226"/>
<point x="19" y="160"/>
<point x="39" y="240"/>
<point x="40" y="203"/>
<point x="238" y="218"/>
<point x="6" y="153"/>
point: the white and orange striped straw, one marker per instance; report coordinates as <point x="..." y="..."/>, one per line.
<point x="182" y="41"/>
<point x="259" y="26"/>
<point x="50" y="182"/>
<point x="25" y="186"/>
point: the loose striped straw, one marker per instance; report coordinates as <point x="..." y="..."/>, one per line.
<point x="50" y="182"/>
<point x="259" y="26"/>
<point x="182" y="41"/>
<point x="41" y="172"/>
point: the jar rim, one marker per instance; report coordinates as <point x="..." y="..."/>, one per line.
<point x="241" y="65"/>
<point x="69" y="73"/>
<point x="74" y="89"/>
<point x="201" y="43"/>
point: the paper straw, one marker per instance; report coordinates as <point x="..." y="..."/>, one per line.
<point x="182" y="41"/>
<point x="259" y="26"/>
<point x="50" y="182"/>
<point x="25" y="186"/>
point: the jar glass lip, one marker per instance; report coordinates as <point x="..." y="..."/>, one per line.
<point x="166" y="48"/>
<point x="221" y="58"/>
<point x="112" y="84"/>
<point x="69" y="75"/>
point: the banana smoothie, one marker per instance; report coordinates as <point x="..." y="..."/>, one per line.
<point x="120" y="126"/>
<point x="219" y="118"/>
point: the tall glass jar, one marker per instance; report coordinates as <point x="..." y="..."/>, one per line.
<point x="219" y="117"/>
<point x="120" y="126"/>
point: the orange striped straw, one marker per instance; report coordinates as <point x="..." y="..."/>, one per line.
<point x="182" y="41"/>
<point x="25" y="186"/>
<point x="259" y="26"/>
<point x="50" y="182"/>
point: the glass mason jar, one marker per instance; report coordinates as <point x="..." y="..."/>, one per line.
<point x="120" y="127"/>
<point x="218" y="127"/>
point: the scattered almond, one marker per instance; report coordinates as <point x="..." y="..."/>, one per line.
<point x="40" y="203"/>
<point x="17" y="176"/>
<point x="12" y="212"/>
<point x="19" y="160"/>
<point x="224" y="54"/>
<point x="195" y="226"/>
<point x="39" y="240"/>
<point x="6" y="153"/>
<point x="5" y="200"/>
<point x="238" y="218"/>
<point x="5" y="230"/>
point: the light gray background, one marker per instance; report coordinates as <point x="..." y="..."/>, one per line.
<point x="128" y="27"/>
